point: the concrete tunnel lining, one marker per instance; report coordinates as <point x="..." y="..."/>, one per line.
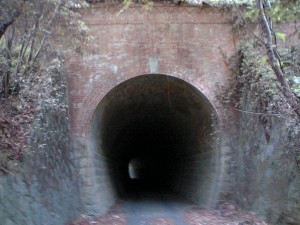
<point x="165" y="124"/>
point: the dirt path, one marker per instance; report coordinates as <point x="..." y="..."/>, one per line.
<point x="151" y="210"/>
<point x="167" y="210"/>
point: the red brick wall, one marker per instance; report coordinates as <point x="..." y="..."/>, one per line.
<point x="188" y="42"/>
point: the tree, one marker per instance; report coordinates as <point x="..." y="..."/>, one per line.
<point x="9" y="13"/>
<point x="28" y="29"/>
<point x="270" y="44"/>
<point x="35" y="34"/>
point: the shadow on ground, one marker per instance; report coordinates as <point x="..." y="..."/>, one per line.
<point x="165" y="209"/>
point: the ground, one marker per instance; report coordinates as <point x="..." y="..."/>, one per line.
<point x="16" y="115"/>
<point x="168" y="211"/>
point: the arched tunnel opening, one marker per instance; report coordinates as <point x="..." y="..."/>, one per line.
<point x="155" y="134"/>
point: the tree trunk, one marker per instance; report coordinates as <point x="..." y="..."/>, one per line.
<point x="5" y="84"/>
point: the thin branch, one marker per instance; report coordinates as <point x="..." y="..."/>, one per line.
<point x="246" y="24"/>
<point x="39" y="50"/>
<point x="38" y="18"/>
<point x="21" y="53"/>
<point x="27" y="44"/>
<point x="275" y="42"/>
<point x="6" y="171"/>
<point x="56" y="10"/>
<point x="259" y="39"/>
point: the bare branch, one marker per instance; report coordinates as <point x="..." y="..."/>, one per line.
<point x="56" y="11"/>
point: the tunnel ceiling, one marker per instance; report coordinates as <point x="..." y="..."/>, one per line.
<point x="167" y="125"/>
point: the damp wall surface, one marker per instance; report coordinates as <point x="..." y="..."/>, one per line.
<point x="265" y="174"/>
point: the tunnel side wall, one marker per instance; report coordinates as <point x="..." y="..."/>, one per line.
<point x="44" y="187"/>
<point x="200" y="179"/>
<point x="266" y="175"/>
<point x="98" y="175"/>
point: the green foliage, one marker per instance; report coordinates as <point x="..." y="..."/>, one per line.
<point x="43" y="26"/>
<point x="127" y="3"/>
<point x="264" y="60"/>
<point x="31" y="54"/>
<point x="256" y="77"/>
<point x="255" y="85"/>
<point x="147" y="4"/>
<point x="257" y="88"/>
<point x="281" y="36"/>
<point x="291" y="62"/>
<point x="280" y="11"/>
<point x="251" y="14"/>
<point x="285" y="10"/>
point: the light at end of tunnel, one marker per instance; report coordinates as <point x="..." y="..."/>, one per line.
<point x="135" y="168"/>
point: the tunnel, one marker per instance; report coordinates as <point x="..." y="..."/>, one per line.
<point x="155" y="134"/>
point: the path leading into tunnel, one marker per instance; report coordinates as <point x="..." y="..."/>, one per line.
<point x="155" y="209"/>
<point x="168" y="210"/>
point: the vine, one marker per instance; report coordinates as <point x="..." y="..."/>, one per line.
<point x="255" y="91"/>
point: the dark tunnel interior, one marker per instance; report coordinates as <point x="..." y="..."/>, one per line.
<point x="159" y="134"/>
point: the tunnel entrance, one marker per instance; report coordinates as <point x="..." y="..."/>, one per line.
<point x="155" y="133"/>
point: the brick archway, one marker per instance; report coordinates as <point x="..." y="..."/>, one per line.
<point x="167" y="123"/>
<point x="184" y="42"/>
